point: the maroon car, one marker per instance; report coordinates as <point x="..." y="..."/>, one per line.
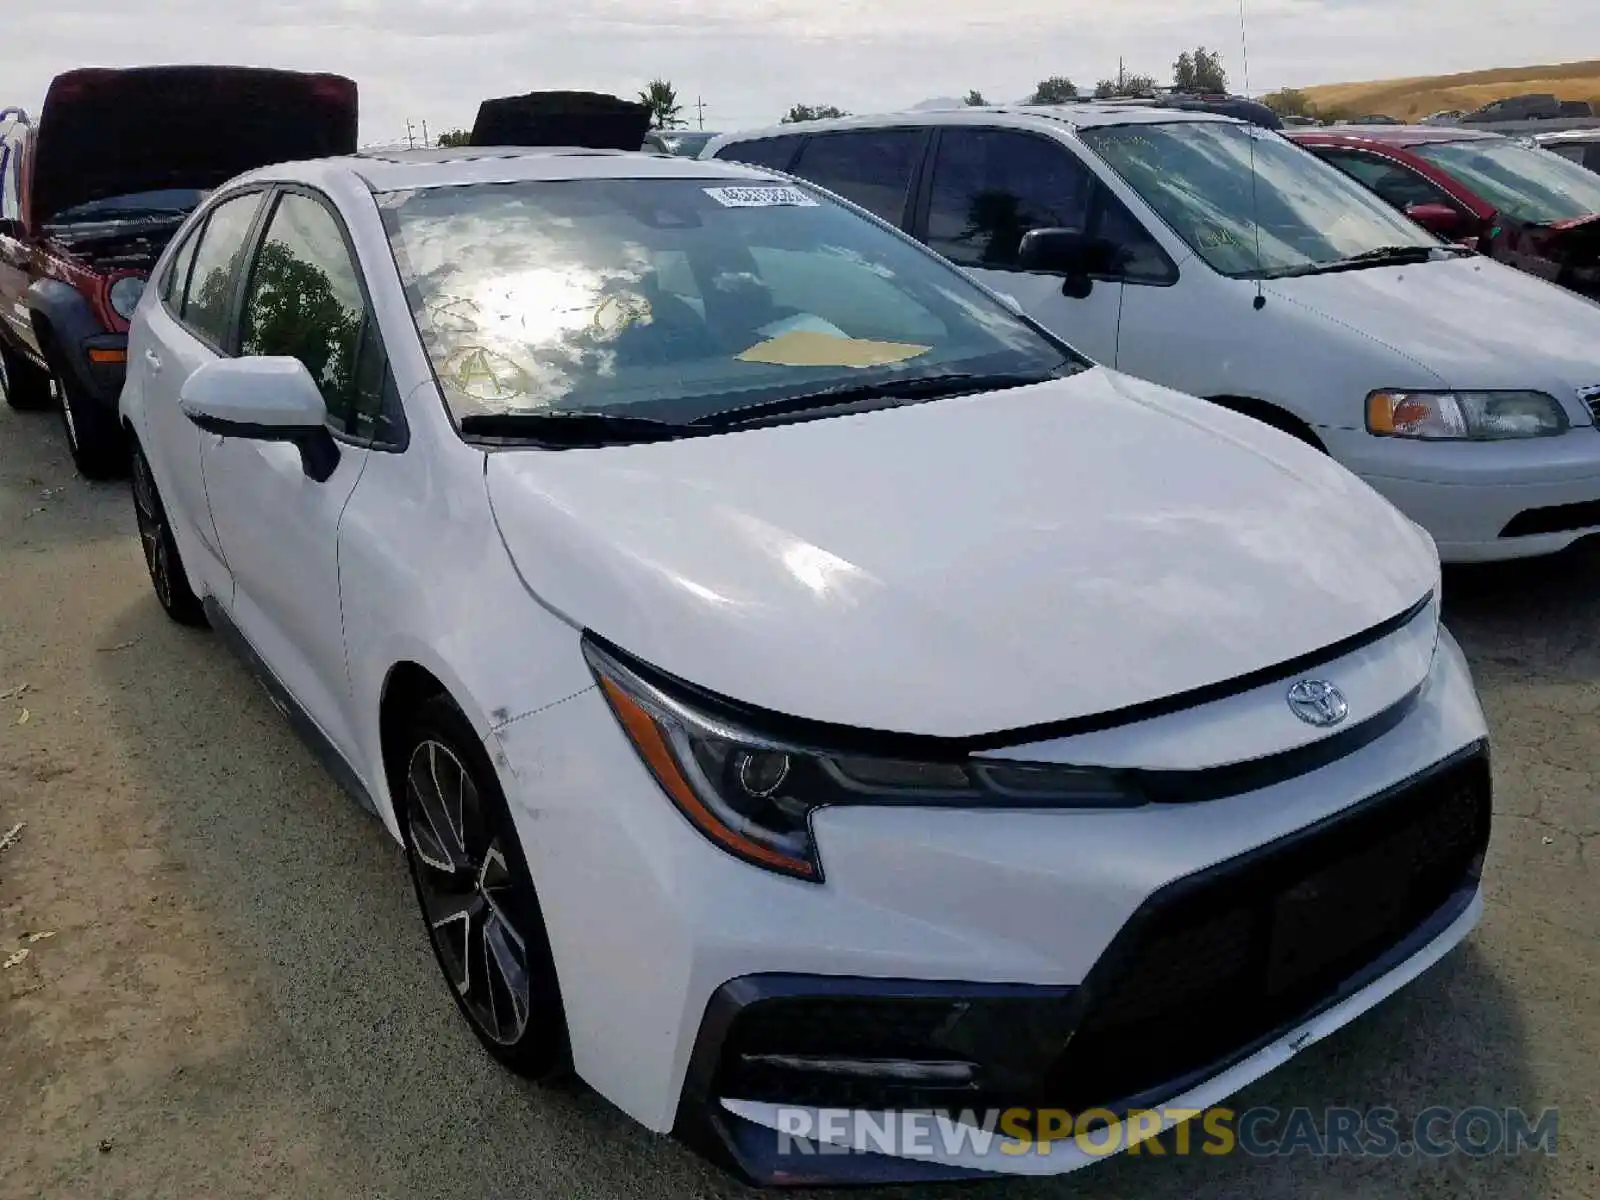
<point x="92" y="193"/>
<point x="1522" y="205"/>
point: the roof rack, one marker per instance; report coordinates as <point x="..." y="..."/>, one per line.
<point x="15" y="113"/>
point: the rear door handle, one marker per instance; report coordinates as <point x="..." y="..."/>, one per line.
<point x="153" y="359"/>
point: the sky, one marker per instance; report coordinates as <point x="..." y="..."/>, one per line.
<point x="749" y="60"/>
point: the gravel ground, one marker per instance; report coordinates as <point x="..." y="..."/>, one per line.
<point x="237" y="999"/>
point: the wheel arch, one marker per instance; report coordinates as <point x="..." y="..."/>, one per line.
<point x="1271" y="414"/>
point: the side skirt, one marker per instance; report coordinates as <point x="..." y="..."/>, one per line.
<point x="299" y="720"/>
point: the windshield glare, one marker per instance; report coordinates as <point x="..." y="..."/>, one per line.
<point x="678" y="298"/>
<point x="1248" y="201"/>
<point x="1524" y="183"/>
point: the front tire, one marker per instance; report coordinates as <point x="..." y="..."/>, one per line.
<point x="161" y="559"/>
<point x="26" y="385"/>
<point x="476" y="894"/>
<point x="99" y="449"/>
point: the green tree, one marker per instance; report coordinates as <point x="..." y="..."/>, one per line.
<point x="975" y="99"/>
<point x="1058" y="89"/>
<point x="661" y="98"/>
<point x="295" y="310"/>
<point x="1127" y="85"/>
<point x="454" y="137"/>
<point x="1290" y="102"/>
<point x="1200" y="71"/>
<point x="812" y="112"/>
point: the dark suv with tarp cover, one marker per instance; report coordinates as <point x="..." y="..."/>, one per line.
<point x="92" y="193"/>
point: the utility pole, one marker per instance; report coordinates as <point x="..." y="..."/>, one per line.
<point x="700" y="108"/>
<point x="1120" y="76"/>
<point x="411" y="139"/>
<point x="424" y="133"/>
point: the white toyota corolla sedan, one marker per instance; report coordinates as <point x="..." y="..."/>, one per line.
<point x="805" y="689"/>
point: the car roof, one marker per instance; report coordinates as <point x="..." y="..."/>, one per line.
<point x="399" y="170"/>
<point x="1077" y="115"/>
<point x="1569" y="135"/>
<point x="1393" y="135"/>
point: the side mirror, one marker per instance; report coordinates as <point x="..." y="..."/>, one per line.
<point x="266" y="399"/>
<point x="1069" y="252"/>
<point x="1436" y="218"/>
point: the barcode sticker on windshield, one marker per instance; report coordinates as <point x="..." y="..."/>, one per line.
<point x="760" y="197"/>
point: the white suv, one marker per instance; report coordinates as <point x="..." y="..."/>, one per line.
<point x="798" y="681"/>
<point x="1219" y="258"/>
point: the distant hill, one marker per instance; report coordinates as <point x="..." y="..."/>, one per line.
<point x="1416" y="97"/>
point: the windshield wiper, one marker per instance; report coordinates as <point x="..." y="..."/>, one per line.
<point x="572" y="428"/>
<point x="913" y="387"/>
<point x="1381" y="256"/>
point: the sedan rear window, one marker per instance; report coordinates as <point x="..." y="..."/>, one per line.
<point x="680" y="298"/>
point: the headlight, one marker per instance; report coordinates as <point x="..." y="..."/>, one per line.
<point x="754" y="794"/>
<point x="1465" y="416"/>
<point x="124" y="296"/>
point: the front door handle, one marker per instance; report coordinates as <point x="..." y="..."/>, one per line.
<point x="153" y="360"/>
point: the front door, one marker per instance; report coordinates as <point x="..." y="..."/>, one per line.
<point x="278" y="527"/>
<point x="988" y="188"/>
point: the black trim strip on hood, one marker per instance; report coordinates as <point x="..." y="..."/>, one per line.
<point x="809" y="732"/>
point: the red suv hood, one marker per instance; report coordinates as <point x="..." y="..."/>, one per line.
<point x="110" y="132"/>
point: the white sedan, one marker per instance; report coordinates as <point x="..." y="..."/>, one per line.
<point x="805" y="689"/>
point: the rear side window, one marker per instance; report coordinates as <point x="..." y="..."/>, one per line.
<point x="10" y="169"/>
<point x="775" y="153"/>
<point x="176" y="279"/>
<point x="869" y="167"/>
<point x="220" y="247"/>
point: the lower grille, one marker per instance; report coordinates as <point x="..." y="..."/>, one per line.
<point x="1560" y="518"/>
<point x="1215" y="963"/>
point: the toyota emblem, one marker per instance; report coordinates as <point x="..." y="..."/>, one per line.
<point x="1318" y="702"/>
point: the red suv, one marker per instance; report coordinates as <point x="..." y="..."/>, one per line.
<point x="92" y="193"/>
<point x="1522" y="205"/>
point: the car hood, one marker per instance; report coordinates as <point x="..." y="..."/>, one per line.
<point x="1470" y="321"/>
<point x="109" y="132"/>
<point x="964" y="566"/>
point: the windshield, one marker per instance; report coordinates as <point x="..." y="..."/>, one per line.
<point x="1288" y="212"/>
<point x="168" y="202"/>
<point x="675" y="299"/>
<point x="1524" y="183"/>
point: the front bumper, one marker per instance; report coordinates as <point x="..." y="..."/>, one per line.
<point x="653" y="929"/>
<point x="1485" y="501"/>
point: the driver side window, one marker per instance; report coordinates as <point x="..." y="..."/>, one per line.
<point x="304" y="300"/>
<point x="991" y="186"/>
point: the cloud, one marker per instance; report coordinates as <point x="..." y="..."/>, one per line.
<point x="750" y="60"/>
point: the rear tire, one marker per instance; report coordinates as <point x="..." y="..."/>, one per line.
<point x="26" y="385"/>
<point x="476" y="894"/>
<point x="161" y="559"/>
<point x="99" y="449"/>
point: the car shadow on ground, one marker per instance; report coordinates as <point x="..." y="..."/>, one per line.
<point x="310" y="896"/>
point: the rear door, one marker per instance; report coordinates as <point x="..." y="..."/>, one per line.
<point x="186" y="330"/>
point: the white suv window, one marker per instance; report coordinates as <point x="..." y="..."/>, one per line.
<point x="869" y="167"/>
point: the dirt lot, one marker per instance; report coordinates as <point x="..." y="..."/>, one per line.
<point x="235" y="997"/>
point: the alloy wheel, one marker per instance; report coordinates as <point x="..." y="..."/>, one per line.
<point x="468" y="892"/>
<point x="65" y="396"/>
<point x="152" y="531"/>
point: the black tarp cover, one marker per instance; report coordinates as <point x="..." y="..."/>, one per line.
<point x="589" y="119"/>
